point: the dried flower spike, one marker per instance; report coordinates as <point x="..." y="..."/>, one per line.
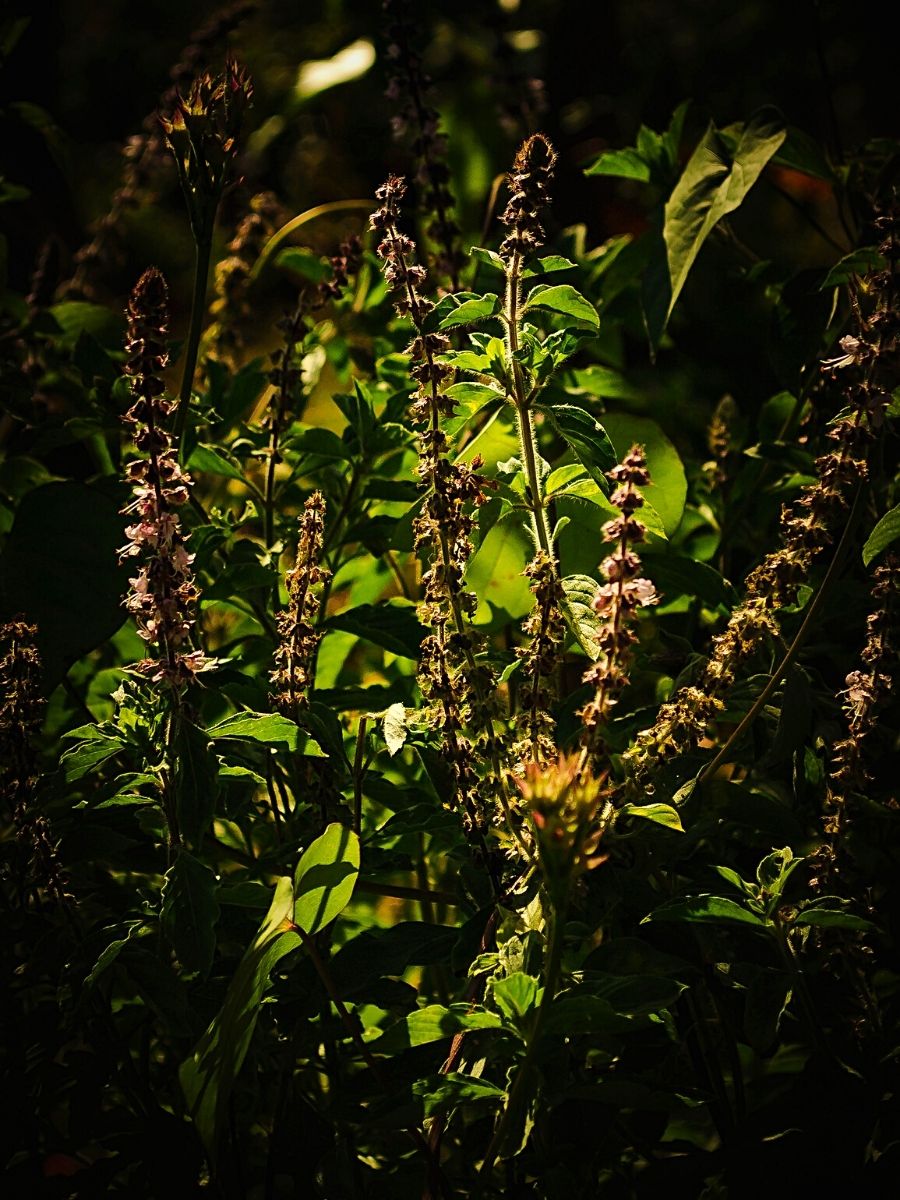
<point x="545" y="629"/>
<point x="298" y="624"/>
<point x="618" y="599"/>
<point x="529" y="187"/>
<point x="163" y="594"/>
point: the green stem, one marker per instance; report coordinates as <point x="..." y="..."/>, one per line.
<point x="523" y="1075"/>
<point x="198" y="311"/>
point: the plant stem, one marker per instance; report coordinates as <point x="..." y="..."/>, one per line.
<point x="522" y="1078"/>
<point x="203" y="248"/>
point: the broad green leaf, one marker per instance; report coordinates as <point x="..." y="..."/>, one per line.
<point x="190" y="911"/>
<point x="80" y="760"/>
<point x="675" y="575"/>
<point x="667" y="489"/>
<point x="494" y="572"/>
<point x="718" y="176"/>
<point x="470" y="399"/>
<point x="60" y="568"/>
<point x="472" y="311"/>
<point x="392" y="625"/>
<point x="394" y="728"/>
<point x="706" y="909"/>
<point x="858" y="262"/>
<point x="270" y="729"/>
<point x="582" y="431"/>
<point x="325" y="878"/>
<point x="624" y="164"/>
<point x="562" y="298"/>
<point x="547" y="265"/>
<point x="75" y="316"/>
<point x="516" y="995"/>
<point x="631" y="995"/>
<point x="433" y="1024"/>
<point x="832" y="918"/>
<point x="660" y="814"/>
<point x="208" y="1076"/>
<point x="440" y="1093"/>
<point x="196" y="781"/>
<point x="211" y="460"/>
<point x="583" y="622"/>
<point x="885" y="532"/>
<point x="572" y="1015"/>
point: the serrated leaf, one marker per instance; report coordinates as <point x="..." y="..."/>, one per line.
<point x="190" y="911"/>
<point x="325" y="878"/>
<point x="562" y="298"/>
<point x="472" y="311"/>
<point x="270" y="729"/>
<point x="706" y="909"/>
<point x="583" y="622"/>
<point x="587" y="437"/>
<point x="883" y="535"/>
<point x="88" y="755"/>
<point x="660" y="814"/>
<point x="394" y="728"/>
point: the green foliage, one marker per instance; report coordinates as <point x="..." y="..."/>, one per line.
<point x="496" y="793"/>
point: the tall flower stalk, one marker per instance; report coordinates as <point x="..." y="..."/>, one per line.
<point x="449" y="675"/>
<point x="163" y="595"/>
<point x="529" y="187"/>
<point x="617" y="601"/>
<point x="202" y="132"/>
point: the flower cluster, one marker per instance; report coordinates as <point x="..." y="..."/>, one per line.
<point x="163" y="594"/>
<point x="201" y="131"/>
<point x="618" y="599"/>
<point x="545" y="629"/>
<point x="565" y="802"/>
<point x="867" y="689"/>
<point x="21" y="715"/>
<point x="298" y="624"/>
<point x="808" y="526"/>
<point x="409" y="85"/>
<point x="449" y="676"/>
<point x="143" y="152"/>
<point x="529" y="187"/>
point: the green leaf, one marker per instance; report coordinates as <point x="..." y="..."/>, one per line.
<point x="584" y="623"/>
<point x="516" y="995"/>
<point x="190" y="911"/>
<point x="832" y="918"/>
<point x="75" y="316"/>
<point x="441" y="1093"/>
<point x="660" y="814"/>
<point x="433" y="1024"/>
<point x="392" y="625"/>
<point x="632" y="995"/>
<point x="588" y="439"/>
<point x="718" y="176"/>
<point x="572" y="1015"/>
<point x="883" y="535"/>
<point x="84" y="758"/>
<point x="470" y="399"/>
<point x="395" y="728"/>
<point x="858" y="262"/>
<point x="547" y="265"/>
<point x="494" y="572"/>
<point x="59" y="567"/>
<point x="800" y="152"/>
<point x="270" y="729"/>
<point x="325" y="878"/>
<point x="706" y="909"/>
<point x="675" y="575"/>
<point x="472" y="311"/>
<point x="667" y="490"/>
<point x="562" y="298"/>
<point x="213" y="462"/>
<point x="208" y="1076"/>
<point x="624" y="164"/>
